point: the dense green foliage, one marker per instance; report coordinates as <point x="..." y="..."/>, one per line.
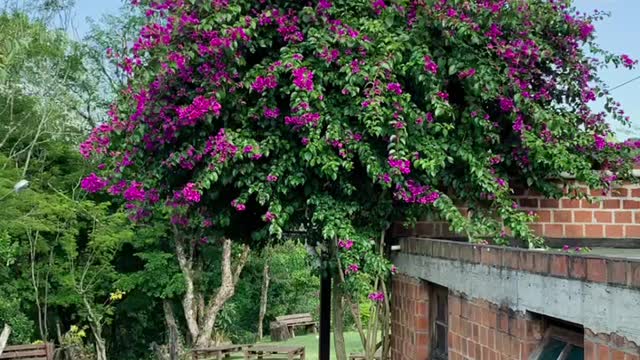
<point x="249" y="120"/>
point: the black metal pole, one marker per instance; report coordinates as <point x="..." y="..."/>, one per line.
<point x="325" y="314"/>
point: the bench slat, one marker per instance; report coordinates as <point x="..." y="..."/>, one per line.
<point x="24" y="347"/>
<point x="21" y="354"/>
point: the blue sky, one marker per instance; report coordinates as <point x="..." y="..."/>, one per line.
<point x="619" y="33"/>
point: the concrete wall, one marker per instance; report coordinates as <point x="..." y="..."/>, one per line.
<point x="497" y="294"/>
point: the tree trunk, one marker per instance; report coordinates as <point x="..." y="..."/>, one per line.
<point x="338" y="322"/>
<point x="225" y="292"/>
<point x="189" y="301"/>
<point x="4" y="337"/>
<point x="172" y="328"/>
<point x="101" y="348"/>
<point x="201" y="318"/>
<point x="263" y="299"/>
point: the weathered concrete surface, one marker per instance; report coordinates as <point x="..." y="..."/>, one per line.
<point x="598" y="307"/>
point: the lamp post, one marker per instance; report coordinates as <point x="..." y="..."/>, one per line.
<point x="18" y="187"/>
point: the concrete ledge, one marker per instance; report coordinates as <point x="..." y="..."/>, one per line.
<point x="619" y="272"/>
<point x="599" y="306"/>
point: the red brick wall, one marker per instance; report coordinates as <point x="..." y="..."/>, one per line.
<point x="485" y="331"/>
<point x="609" y="347"/>
<point x="410" y="330"/>
<point x="481" y="330"/>
<point x="615" y="215"/>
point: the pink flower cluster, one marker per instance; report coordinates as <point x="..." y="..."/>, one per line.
<point x="627" y="61"/>
<point x="269" y="216"/>
<point x="271" y="113"/>
<point x="416" y="193"/>
<point x="429" y="65"/>
<point x="135" y="192"/>
<point x="395" y="88"/>
<point x="303" y="78"/>
<point x="238" y="205"/>
<point x="93" y="183"/>
<point x="466" y="74"/>
<point x="376" y="296"/>
<point x="345" y="244"/>
<point x="190" y="194"/>
<point x="263" y="83"/>
<point x="220" y="147"/>
<point x="351" y="269"/>
<point x="403" y="165"/>
<point x="200" y="107"/>
<point x="300" y="121"/>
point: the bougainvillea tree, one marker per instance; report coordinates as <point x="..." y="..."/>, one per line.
<point x="243" y="119"/>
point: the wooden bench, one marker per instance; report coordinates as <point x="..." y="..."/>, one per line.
<point x="298" y="320"/>
<point x="377" y="356"/>
<point x="274" y="352"/>
<point x="29" y="352"/>
<point x="217" y="352"/>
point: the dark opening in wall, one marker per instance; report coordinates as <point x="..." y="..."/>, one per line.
<point x="440" y="321"/>
<point x="562" y="341"/>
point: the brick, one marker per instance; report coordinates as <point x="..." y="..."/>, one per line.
<point x="594" y="231"/>
<point x="603" y="352"/>
<point x="631" y="357"/>
<point x="541" y="263"/>
<point x="526" y="261"/>
<point x="511" y="259"/>
<point x="503" y="321"/>
<point x="491" y="256"/>
<point x="586" y="204"/>
<point x="632" y="231"/>
<point x="537" y="229"/>
<point x="553" y="230"/>
<point x="617" y="272"/>
<point x="570" y="204"/>
<point x="633" y="276"/>
<point x="631" y="204"/>
<point x="623" y="217"/>
<point x="590" y="352"/>
<point x="617" y="355"/>
<point x="611" y="204"/>
<point x="637" y="217"/>
<point x="614" y="231"/>
<point x="603" y="217"/>
<point x="529" y="203"/>
<point x="577" y="267"/>
<point x="574" y="231"/>
<point x="560" y="265"/>
<point x="543" y="216"/>
<point x="562" y="216"/>
<point x="620" y="192"/>
<point x="596" y="270"/>
<point x="466" y="253"/>
<point x="424" y="229"/>
<point x="583" y="216"/>
<point x="549" y="203"/>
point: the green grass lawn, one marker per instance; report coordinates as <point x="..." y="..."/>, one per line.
<point x="310" y="343"/>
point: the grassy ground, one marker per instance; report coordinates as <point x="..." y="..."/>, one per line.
<point x="310" y="343"/>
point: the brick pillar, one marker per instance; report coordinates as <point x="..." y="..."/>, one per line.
<point x="410" y="335"/>
<point x="482" y="330"/>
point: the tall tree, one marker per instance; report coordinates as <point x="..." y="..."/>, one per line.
<point x="247" y="119"/>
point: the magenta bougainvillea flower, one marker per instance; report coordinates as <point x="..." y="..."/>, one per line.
<point x="93" y="183"/>
<point x="370" y="110"/>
